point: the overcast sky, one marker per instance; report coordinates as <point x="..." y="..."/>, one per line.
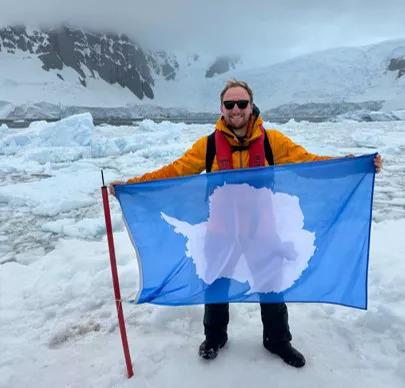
<point x="262" y="30"/>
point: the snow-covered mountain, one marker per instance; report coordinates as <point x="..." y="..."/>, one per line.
<point x="114" y="58"/>
<point x="352" y="74"/>
<point x="73" y="68"/>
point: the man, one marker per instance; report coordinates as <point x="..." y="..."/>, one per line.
<point x="240" y="142"/>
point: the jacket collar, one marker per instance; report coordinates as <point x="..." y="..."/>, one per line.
<point x="254" y="130"/>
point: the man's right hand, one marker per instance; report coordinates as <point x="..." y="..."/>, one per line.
<point x="111" y="186"/>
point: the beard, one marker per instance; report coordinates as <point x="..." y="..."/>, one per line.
<point x="239" y="124"/>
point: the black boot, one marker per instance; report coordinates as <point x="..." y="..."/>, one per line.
<point x="216" y="318"/>
<point x="209" y="349"/>
<point x="286" y="352"/>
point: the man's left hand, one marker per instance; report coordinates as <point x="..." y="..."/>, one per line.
<point x="378" y="163"/>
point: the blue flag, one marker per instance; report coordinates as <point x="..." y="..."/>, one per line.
<point x="287" y="233"/>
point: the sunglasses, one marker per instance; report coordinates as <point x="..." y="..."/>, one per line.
<point x="242" y="104"/>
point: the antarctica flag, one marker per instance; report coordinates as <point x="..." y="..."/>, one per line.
<point x="286" y="233"/>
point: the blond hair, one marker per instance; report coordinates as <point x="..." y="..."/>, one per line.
<point x="233" y="83"/>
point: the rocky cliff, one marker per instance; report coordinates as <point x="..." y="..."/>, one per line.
<point x="115" y="58"/>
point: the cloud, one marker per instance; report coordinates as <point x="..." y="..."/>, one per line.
<point x="261" y="30"/>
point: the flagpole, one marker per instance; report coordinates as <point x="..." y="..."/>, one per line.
<point x="115" y="280"/>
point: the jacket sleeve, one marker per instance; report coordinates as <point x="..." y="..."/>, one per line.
<point x="286" y="151"/>
<point x="192" y="162"/>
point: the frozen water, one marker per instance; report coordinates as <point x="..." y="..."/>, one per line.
<point x="57" y="314"/>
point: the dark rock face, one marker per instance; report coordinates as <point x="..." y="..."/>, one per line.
<point x="221" y="65"/>
<point x="115" y="58"/>
<point x="397" y="64"/>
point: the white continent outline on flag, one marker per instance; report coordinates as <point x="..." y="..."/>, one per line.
<point x="251" y="235"/>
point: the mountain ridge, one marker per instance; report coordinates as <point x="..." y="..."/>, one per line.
<point x="72" y="67"/>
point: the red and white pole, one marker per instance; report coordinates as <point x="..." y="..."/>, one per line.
<point x="116" y="283"/>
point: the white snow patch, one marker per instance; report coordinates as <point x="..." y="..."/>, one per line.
<point x="57" y="312"/>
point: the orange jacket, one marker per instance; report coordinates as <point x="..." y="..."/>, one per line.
<point x="193" y="161"/>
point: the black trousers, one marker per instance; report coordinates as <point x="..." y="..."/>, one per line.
<point x="274" y="319"/>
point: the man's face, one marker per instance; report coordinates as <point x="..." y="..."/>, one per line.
<point x="236" y="117"/>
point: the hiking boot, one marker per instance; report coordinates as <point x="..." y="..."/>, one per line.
<point x="286" y="352"/>
<point x="209" y="349"/>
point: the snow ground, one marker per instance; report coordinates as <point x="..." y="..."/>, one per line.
<point x="57" y="316"/>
